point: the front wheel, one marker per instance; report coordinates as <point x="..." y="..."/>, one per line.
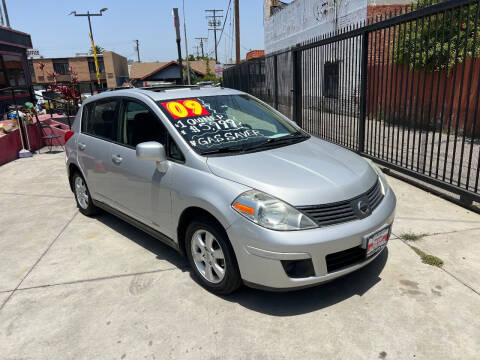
<point x="211" y="257"/>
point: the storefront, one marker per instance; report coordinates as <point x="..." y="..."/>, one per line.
<point x="14" y="71"/>
<point x="15" y="80"/>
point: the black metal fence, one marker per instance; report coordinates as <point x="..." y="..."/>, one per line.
<point x="402" y="89"/>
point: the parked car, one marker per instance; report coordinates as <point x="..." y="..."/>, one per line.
<point x="241" y="190"/>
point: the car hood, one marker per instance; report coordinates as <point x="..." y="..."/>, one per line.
<point x="307" y="173"/>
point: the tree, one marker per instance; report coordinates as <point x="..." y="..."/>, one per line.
<point x="436" y="43"/>
<point x="98" y="50"/>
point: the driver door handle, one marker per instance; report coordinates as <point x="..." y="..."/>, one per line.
<point x="81" y="146"/>
<point x="117" y="159"/>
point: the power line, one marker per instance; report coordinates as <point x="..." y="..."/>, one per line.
<point x="213" y="22"/>
<point x="247" y="49"/>
<point x="225" y="21"/>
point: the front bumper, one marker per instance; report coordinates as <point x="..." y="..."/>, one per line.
<point x="259" y="251"/>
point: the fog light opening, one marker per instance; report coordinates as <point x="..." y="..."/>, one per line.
<point x="298" y="268"/>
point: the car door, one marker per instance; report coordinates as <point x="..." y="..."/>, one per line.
<point x="98" y="130"/>
<point x="137" y="187"/>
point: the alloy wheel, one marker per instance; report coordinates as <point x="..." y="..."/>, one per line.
<point x="81" y="192"/>
<point x="208" y="256"/>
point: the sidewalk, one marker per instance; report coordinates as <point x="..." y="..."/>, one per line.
<point x="78" y="288"/>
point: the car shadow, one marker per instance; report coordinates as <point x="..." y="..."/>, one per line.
<point x="314" y="298"/>
<point x="155" y="246"/>
<point x="272" y="303"/>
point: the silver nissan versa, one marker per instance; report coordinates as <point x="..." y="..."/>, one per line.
<point x="241" y="190"/>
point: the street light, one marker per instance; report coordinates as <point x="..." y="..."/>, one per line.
<point x="88" y="14"/>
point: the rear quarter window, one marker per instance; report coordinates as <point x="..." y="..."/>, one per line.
<point x="86" y="110"/>
<point x="100" y="119"/>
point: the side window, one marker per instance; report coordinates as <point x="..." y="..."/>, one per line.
<point x="139" y="124"/>
<point x="100" y="119"/>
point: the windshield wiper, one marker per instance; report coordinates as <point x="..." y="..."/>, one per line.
<point x="224" y="150"/>
<point x="243" y="148"/>
<point x="284" y="139"/>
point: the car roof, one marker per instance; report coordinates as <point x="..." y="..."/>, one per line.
<point x="165" y="93"/>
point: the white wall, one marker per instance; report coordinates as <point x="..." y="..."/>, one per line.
<point x="303" y="20"/>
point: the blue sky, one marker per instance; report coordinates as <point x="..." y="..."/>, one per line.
<point x="56" y="34"/>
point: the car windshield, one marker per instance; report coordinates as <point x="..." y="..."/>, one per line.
<point x="229" y="123"/>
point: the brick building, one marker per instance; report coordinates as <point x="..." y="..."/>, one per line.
<point x="113" y="71"/>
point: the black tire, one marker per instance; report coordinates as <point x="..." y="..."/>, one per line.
<point x="231" y="280"/>
<point x="90" y="209"/>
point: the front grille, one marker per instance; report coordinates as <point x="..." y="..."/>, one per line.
<point x="344" y="258"/>
<point x="343" y="211"/>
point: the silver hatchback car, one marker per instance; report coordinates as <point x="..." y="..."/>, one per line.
<point x="228" y="181"/>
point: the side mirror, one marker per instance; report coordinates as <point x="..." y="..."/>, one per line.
<point x="152" y="151"/>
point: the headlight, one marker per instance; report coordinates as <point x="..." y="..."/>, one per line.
<point x="269" y="212"/>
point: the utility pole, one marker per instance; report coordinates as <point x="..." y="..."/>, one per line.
<point x="94" y="50"/>
<point x="237" y="32"/>
<point x="186" y="45"/>
<point x="6" y="13"/>
<point x="213" y="22"/>
<point x="1" y="18"/>
<point x="201" y="43"/>
<point x="137" y="47"/>
<point x="176" y="22"/>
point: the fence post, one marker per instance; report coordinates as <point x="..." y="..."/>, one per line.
<point x="363" y="94"/>
<point x="275" y="86"/>
<point x="297" y="85"/>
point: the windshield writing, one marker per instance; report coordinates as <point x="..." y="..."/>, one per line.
<point x="228" y="121"/>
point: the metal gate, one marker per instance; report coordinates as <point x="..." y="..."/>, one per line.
<point x="402" y="89"/>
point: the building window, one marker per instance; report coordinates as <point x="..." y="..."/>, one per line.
<point x="330" y="80"/>
<point x="91" y="66"/>
<point x="13" y="67"/>
<point x="61" y="67"/>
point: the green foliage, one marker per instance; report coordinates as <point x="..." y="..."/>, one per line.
<point x="98" y="50"/>
<point x="209" y="71"/>
<point x="427" y="258"/>
<point x="412" y="236"/>
<point x="439" y="41"/>
<point x="210" y="77"/>
<point x="193" y="76"/>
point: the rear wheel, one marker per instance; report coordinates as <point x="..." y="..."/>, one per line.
<point x="211" y="257"/>
<point x="82" y="196"/>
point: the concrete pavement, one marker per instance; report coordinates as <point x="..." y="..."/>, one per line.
<point x="78" y="288"/>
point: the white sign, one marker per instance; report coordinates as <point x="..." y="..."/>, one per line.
<point x="33" y="53"/>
